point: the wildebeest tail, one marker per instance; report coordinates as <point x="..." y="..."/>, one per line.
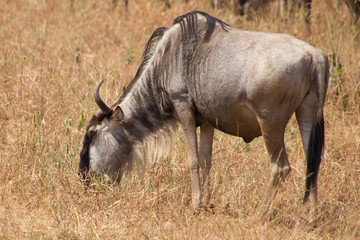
<point x="317" y="136"/>
<point x="315" y="147"/>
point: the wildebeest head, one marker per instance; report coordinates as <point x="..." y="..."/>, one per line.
<point x="106" y="146"/>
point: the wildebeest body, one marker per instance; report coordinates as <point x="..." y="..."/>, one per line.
<point x="254" y="67"/>
<point x="201" y="72"/>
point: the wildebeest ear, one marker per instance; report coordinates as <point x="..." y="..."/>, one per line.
<point x="118" y="114"/>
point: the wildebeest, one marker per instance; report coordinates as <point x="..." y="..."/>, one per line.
<point x="200" y="72"/>
<point x="354" y="10"/>
<point x="287" y="7"/>
<point x="291" y="5"/>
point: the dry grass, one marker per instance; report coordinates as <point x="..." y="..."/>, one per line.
<point x="52" y="54"/>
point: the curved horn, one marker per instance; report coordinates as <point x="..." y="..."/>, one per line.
<point x="104" y="108"/>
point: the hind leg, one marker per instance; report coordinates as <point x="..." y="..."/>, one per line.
<point x="305" y="116"/>
<point x="273" y="134"/>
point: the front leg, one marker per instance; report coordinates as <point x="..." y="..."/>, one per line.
<point x="186" y="116"/>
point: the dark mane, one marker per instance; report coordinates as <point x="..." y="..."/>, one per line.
<point x="188" y="23"/>
<point x="147" y="54"/>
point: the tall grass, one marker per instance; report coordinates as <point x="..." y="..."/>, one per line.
<point x="53" y="53"/>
